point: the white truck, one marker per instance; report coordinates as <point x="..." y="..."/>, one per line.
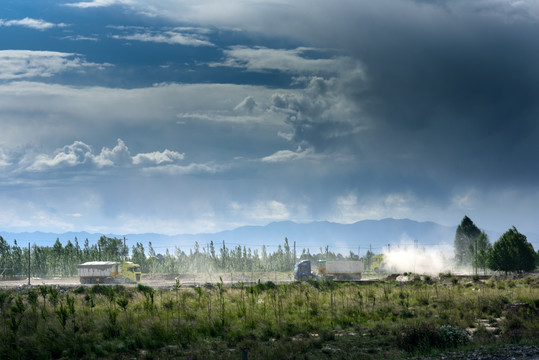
<point x="108" y="272"/>
<point x="344" y="270"/>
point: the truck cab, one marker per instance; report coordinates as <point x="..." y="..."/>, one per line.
<point x="302" y="270"/>
<point x="131" y="271"/>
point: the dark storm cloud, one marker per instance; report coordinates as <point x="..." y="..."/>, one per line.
<point x="452" y="88"/>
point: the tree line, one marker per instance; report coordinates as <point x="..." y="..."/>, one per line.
<point x="57" y="260"/>
<point x="62" y="260"/>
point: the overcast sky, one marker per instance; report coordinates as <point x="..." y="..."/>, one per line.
<point x="181" y="116"/>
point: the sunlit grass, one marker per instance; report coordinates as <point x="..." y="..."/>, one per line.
<point x="324" y="319"/>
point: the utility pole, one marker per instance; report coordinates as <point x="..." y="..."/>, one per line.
<point x="28" y="264"/>
<point x="125" y="250"/>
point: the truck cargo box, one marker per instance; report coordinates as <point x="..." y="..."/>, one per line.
<point x="97" y="269"/>
<point x="344" y="267"/>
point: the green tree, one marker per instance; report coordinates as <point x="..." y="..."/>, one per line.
<point x="481" y="249"/>
<point x="139" y="257"/>
<point x="7" y="265"/>
<point x="39" y="260"/>
<point x="287" y="254"/>
<point x="512" y="252"/>
<point x="264" y="257"/>
<point x="17" y="261"/>
<point x="169" y="262"/>
<point x="111" y="249"/>
<point x="225" y="263"/>
<point x="70" y="259"/>
<point x="57" y="257"/>
<point x="465" y="238"/>
<point x="78" y="251"/>
<point x="367" y="259"/>
<point x="213" y="256"/>
<point x="87" y="251"/>
<point x="151" y="261"/>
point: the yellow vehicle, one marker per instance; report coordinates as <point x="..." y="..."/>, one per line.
<point x="377" y="263"/>
<point x="108" y="272"/>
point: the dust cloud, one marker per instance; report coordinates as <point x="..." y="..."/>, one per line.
<point x="419" y="260"/>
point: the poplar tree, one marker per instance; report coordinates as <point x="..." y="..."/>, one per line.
<point x="465" y="238"/>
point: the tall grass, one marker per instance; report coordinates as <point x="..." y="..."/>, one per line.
<point x="216" y="321"/>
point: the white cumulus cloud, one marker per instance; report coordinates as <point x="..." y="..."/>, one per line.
<point x="171" y="37"/>
<point x="98" y="3"/>
<point x="81" y="154"/>
<point x="72" y="155"/>
<point x="157" y="157"/>
<point x="80" y="38"/>
<point x="37" y="24"/>
<point x="118" y="155"/>
<point x="288" y="155"/>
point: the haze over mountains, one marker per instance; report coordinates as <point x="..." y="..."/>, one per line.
<point x="341" y="238"/>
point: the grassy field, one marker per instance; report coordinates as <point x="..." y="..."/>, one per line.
<point x="300" y="320"/>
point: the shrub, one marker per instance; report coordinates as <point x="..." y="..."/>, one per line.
<point x="423" y="337"/>
<point x="482" y="336"/>
<point x="265" y="286"/>
<point x="100" y="289"/>
<point x="452" y="336"/>
<point x="122" y="302"/>
<point x="423" y="299"/>
<point x="513" y="327"/>
<point x="79" y="290"/>
<point x="491" y="305"/>
<point x="519" y="325"/>
<point x="419" y="337"/>
<point x="148" y="293"/>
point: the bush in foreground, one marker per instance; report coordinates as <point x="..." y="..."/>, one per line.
<point x="423" y="337"/>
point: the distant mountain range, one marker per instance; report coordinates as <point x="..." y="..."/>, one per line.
<point x="342" y="238"/>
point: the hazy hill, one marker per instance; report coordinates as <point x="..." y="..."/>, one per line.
<point x="343" y="238"/>
<point x="339" y="237"/>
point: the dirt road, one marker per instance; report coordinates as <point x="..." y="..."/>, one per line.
<point x="158" y="281"/>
